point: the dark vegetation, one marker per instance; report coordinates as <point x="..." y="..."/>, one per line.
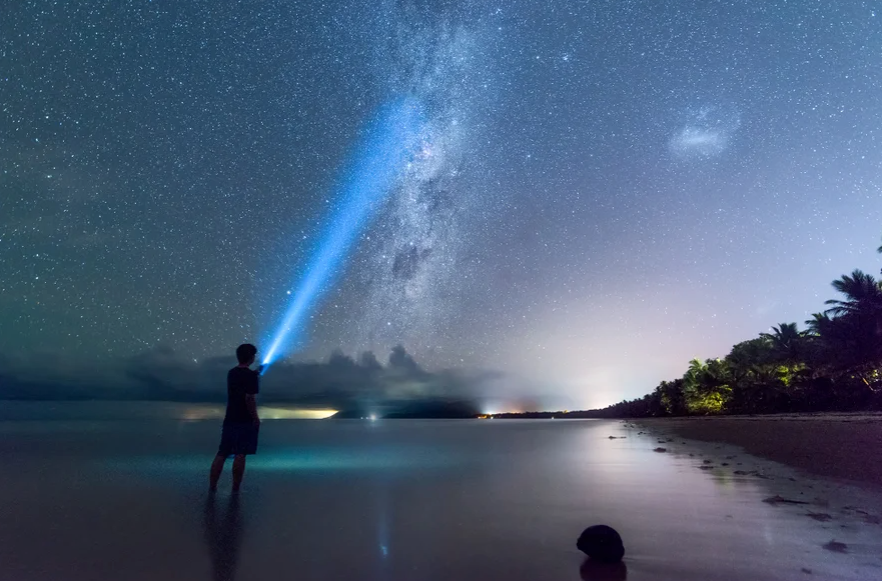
<point x="833" y="364"/>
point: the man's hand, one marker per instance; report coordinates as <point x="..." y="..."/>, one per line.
<point x="260" y="369"/>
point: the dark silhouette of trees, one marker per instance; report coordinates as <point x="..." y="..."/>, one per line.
<point x="834" y="364"/>
<point x="863" y="296"/>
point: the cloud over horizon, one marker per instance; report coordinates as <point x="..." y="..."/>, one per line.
<point x="161" y="374"/>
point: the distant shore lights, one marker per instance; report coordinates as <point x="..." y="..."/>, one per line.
<point x="388" y="143"/>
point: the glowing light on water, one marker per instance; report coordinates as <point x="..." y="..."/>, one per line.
<point x="212" y="412"/>
<point x="389" y="143"/>
<point x="301" y="458"/>
<point x="266" y="413"/>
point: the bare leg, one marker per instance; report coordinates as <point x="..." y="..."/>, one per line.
<point x="238" y="471"/>
<point x="217" y="466"/>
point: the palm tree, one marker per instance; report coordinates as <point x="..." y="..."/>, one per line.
<point x="706" y="386"/>
<point x="818" y="324"/>
<point x="671" y="397"/>
<point x="862" y="292"/>
<point x="879" y="250"/>
<point x="717" y="374"/>
<point x="692" y="379"/>
<point x="783" y="334"/>
<point x="696" y="368"/>
<point x="853" y="334"/>
<point x="785" y="340"/>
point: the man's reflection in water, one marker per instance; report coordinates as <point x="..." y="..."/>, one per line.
<point x="223" y="534"/>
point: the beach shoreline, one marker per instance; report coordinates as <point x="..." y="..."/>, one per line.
<point x="841" y="446"/>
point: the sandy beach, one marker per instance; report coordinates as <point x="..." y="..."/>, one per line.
<point x="841" y="446"/>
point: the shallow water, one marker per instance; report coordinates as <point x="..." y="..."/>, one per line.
<point x="396" y="500"/>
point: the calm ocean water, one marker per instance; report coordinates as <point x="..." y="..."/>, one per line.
<point x="397" y="500"/>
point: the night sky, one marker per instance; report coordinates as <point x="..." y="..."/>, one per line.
<point x="605" y="189"/>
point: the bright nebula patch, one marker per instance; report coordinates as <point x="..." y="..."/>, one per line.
<point x="697" y="141"/>
<point x="705" y="134"/>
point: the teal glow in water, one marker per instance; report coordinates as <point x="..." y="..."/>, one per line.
<point x="302" y="460"/>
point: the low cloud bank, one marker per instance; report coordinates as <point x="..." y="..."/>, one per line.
<point x="357" y="387"/>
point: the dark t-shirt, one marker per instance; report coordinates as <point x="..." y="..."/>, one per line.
<point x="241" y="381"/>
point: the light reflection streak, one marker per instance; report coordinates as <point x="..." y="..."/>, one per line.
<point x="212" y="412"/>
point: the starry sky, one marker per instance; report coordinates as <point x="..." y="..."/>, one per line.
<point x="604" y="190"/>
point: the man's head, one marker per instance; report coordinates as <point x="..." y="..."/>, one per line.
<point x="245" y="353"/>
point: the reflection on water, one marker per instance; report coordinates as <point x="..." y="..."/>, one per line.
<point x="223" y="535"/>
<point x="199" y="412"/>
<point x="407" y="500"/>
<point x="147" y="410"/>
<point x="593" y="571"/>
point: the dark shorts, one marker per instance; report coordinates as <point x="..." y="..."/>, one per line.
<point x="238" y="439"/>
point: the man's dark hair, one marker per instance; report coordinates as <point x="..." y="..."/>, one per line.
<point x="245" y="352"/>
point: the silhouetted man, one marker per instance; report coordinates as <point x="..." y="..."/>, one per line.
<point x="241" y="424"/>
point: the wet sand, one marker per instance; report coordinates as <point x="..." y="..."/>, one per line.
<point x="417" y="500"/>
<point x="840" y="446"/>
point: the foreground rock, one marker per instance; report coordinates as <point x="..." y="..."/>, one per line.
<point x="601" y="543"/>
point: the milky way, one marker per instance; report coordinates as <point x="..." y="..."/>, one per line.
<point x="412" y="257"/>
<point x="603" y="190"/>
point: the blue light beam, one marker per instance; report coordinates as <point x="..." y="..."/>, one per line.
<point x="388" y="144"/>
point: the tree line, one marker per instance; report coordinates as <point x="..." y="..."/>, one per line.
<point x="833" y="364"/>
